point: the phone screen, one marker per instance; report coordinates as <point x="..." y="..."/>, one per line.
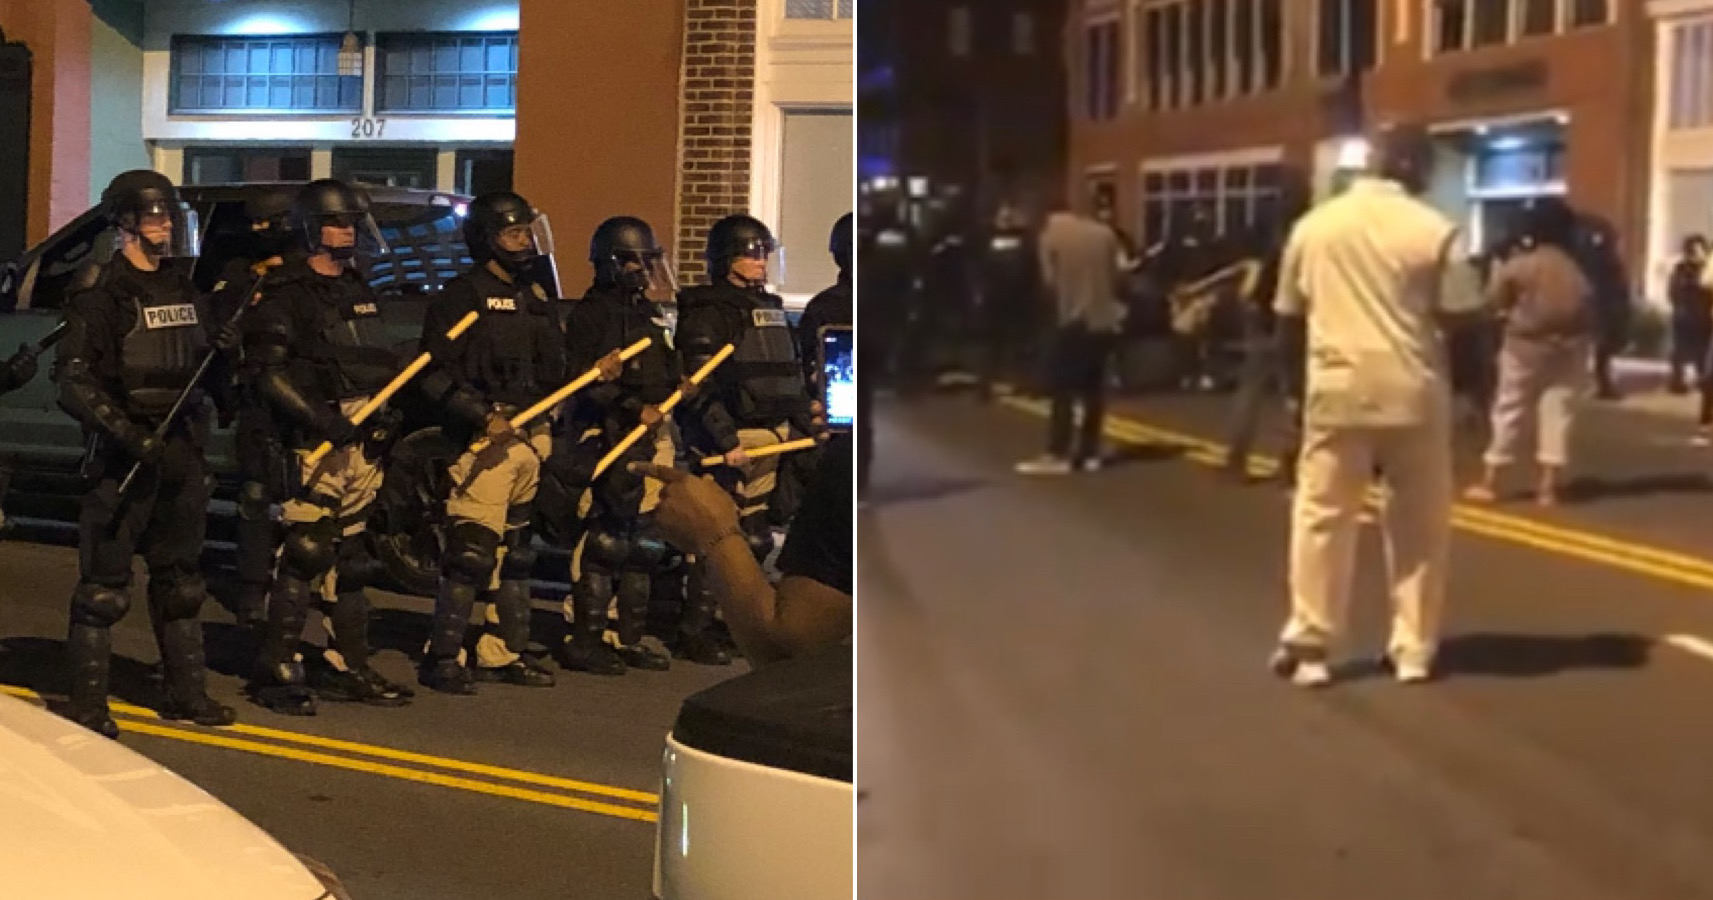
<point x="838" y="376"/>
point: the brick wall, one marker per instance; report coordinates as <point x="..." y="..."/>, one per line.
<point x="717" y="100"/>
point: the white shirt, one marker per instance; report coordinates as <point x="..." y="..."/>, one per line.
<point x="1371" y="270"/>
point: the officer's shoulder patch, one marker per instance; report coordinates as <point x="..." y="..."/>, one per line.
<point x="768" y="318"/>
<point x="502" y="304"/>
<point x="178" y="315"/>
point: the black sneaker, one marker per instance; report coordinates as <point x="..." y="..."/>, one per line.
<point x="98" y="720"/>
<point x="525" y="672"/>
<point x="285" y="699"/>
<point x="363" y="685"/>
<point x="640" y="657"/>
<point x="595" y="658"/>
<point x="203" y="710"/>
<point x="703" y="649"/>
<point x="447" y="677"/>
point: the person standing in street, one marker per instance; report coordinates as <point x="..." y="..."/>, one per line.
<point x="1691" y="315"/>
<point x="1377" y="275"/>
<point x="1010" y="299"/>
<point x="138" y="331"/>
<point x="511" y="358"/>
<point x="1080" y="260"/>
<point x="1547" y="306"/>
<point x="318" y="351"/>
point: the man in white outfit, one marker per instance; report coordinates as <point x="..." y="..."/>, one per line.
<point x="1378" y="275"/>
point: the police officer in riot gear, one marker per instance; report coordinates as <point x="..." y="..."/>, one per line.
<point x="833" y="306"/>
<point x="138" y="332"/>
<point x="1010" y="299"/>
<point x="620" y="550"/>
<point x="757" y="397"/>
<point x="260" y="456"/>
<point x="511" y="358"/>
<point x="15" y="372"/>
<point x="318" y="351"/>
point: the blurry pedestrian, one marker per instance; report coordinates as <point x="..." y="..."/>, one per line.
<point x="1548" y="308"/>
<point x="1377" y="275"/>
<point x="1080" y="260"/>
<point x="1691" y="314"/>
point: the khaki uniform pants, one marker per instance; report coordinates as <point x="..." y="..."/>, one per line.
<point x="485" y="486"/>
<point x="758" y="477"/>
<point x="343" y="486"/>
<point x="1334" y="474"/>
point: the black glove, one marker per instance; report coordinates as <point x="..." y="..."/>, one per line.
<point x="141" y="446"/>
<point x="337" y="430"/>
<point x="20" y="368"/>
<point x="228" y="338"/>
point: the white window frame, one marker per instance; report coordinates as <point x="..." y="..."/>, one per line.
<point x="1132" y="36"/>
<point x="1096" y="20"/>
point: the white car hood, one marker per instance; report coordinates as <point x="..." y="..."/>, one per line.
<point x="82" y="816"/>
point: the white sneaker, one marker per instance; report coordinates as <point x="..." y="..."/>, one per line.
<point x="1703" y="437"/>
<point x="1410" y="672"/>
<point x="1045" y="465"/>
<point x="1092" y="464"/>
<point x="1311" y="673"/>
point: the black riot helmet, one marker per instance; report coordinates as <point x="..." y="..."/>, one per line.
<point x="502" y="227"/>
<point x="625" y="254"/>
<point x="268" y="213"/>
<point x="734" y="237"/>
<point x="841" y="242"/>
<point x="134" y="198"/>
<point x="330" y="203"/>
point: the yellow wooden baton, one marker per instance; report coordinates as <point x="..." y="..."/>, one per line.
<point x="557" y="397"/>
<point x="665" y="407"/>
<point x="381" y="397"/>
<point x="769" y="450"/>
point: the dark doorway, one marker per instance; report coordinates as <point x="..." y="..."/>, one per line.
<point x="14" y="147"/>
<point x="235" y="165"/>
<point x="483" y="171"/>
<point x="391" y="167"/>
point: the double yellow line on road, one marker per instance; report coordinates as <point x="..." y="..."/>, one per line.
<point x="405" y="765"/>
<point x="1618" y="553"/>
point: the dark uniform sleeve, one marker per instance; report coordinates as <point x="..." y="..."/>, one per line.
<point x="550" y="352"/>
<point x="268" y="354"/>
<point x="701" y="334"/>
<point x="808" y="336"/>
<point x="585" y="343"/>
<point x="819" y="544"/>
<point x="90" y="347"/>
<point x="438" y="382"/>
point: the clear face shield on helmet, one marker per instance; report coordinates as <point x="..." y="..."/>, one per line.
<point x="163" y="228"/>
<point x="648" y="272"/>
<point x="346" y="236"/>
<point x="760" y="262"/>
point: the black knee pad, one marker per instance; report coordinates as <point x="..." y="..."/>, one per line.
<point x="180" y="596"/>
<point x="520" y="557"/>
<point x="358" y="566"/>
<point x="308" y="551"/>
<point x="607" y="546"/>
<point x="253" y="501"/>
<point x="649" y="554"/>
<point x="760" y="543"/>
<point x="99" y="606"/>
<point x="471" y="551"/>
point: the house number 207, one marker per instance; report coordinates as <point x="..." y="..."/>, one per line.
<point x="367" y="128"/>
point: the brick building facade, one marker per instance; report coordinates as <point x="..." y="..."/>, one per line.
<point x="1231" y="105"/>
<point x="717" y="105"/>
<point x="968" y="96"/>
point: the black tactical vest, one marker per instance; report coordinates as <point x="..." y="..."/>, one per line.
<point x="159" y="356"/>
<point x="350" y="348"/>
<point x="765" y="366"/>
<point x="502" y="349"/>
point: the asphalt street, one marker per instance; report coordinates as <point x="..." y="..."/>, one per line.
<point x="515" y="792"/>
<point x="1064" y="691"/>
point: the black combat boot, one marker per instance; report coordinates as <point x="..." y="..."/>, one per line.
<point x="633" y="623"/>
<point x="89" y="650"/>
<point x="186" y="667"/>
<point x="512" y="608"/>
<point x="279" y="682"/>
<point x="441" y="670"/>
<point x="584" y="650"/>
